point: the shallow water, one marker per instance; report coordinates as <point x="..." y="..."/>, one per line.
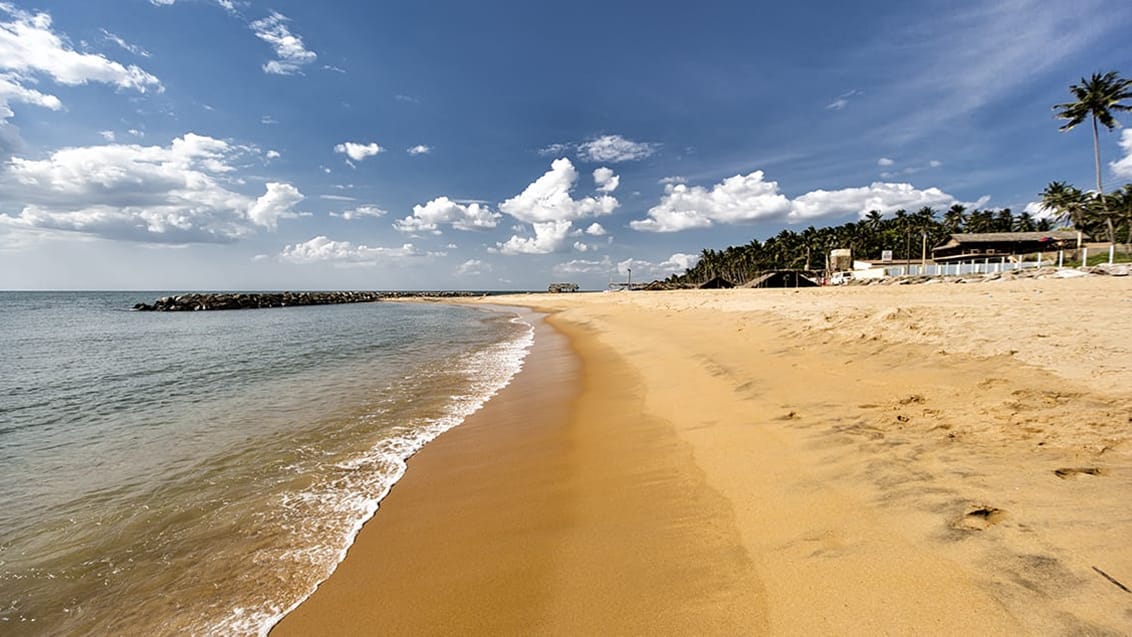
<point x="173" y="473"/>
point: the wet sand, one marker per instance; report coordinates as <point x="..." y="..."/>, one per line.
<point x="560" y="508"/>
<point x="908" y="460"/>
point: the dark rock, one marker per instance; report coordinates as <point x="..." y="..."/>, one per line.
<point x="253" y="300"/>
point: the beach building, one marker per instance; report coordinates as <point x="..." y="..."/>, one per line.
<point x="716" y="283"/>
<point x="995" y="245"/>
<point x="783" y="279"/>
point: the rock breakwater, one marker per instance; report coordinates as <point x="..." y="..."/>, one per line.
<point x="255" y="300"/>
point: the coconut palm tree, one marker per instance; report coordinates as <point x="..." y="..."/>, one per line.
<point x="979" y="221"/>
<point x="1096" y="98"/>
<point x="1024" y="222"/>
<point x="1121" y="202"/>
<point x="1068" y="203"/>
<point x="954" y="218"/>
<point x="874" y="219"/>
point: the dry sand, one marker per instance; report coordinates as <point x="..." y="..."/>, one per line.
<point x="902" y="460"/>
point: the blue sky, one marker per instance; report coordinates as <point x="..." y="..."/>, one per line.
<point x="240" y="144"/>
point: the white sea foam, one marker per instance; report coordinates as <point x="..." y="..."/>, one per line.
<point x="362" y="482"/>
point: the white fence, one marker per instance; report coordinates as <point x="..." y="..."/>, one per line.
<point x="1063" y="258"/>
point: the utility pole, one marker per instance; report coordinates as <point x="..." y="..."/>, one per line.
<point x="629" y="286"/>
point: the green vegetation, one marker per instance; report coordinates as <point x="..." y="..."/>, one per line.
<point x="906" y="234"/>
<point x="1097" y="214"/>
<point x="1097" y="258"/>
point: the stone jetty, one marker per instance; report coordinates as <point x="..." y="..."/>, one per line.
<point x="254" y="300"/>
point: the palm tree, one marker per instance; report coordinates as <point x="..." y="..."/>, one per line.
<point x="874" y="218"/>
<point x="1067" y="202"/>
<point x="954" y="218"/>
<point x="979" y="221"/>
<point x="1024" y="222"/>
<point x="1096" y="98"/>
<point x="1003" y="220"/>
<point x="1122" y="206"/>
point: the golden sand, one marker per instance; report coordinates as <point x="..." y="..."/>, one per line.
<point x="902" y="460"/>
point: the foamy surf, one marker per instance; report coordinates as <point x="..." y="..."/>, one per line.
<point x="492" y="370"/>
<point x="203" y="473"/>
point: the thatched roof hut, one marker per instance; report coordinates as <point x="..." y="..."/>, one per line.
<point x="718" y="283"/>
<point x="781" y="279"/>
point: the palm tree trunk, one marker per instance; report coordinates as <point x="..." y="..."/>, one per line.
<point x="1097" y="156"/>
<point x="1100" y="189"/>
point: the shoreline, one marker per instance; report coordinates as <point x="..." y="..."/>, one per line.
<point x="777" y="462"/>
<point x="539" y="506"/>
<point x="365" y="595"/>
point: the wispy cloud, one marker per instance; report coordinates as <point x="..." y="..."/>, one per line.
<point x="615" y="148"/>
<point x="944" y="72"/>
<point x="132" y="48"/>
<point x="290" y="52"/>
<point x="843" y="100"/>
<point x="603" y="148"/>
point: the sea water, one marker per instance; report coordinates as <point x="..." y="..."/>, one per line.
<point x="201" y="472"/>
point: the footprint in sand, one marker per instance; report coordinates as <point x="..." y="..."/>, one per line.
<point x="980" y="518"/>
<point x="1066" y="473"/>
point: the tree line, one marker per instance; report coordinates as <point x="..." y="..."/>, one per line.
<point x="1099" y="215"/>
<point x="907" y="235"/>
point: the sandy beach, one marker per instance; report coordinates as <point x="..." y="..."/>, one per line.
<point x="929" y="459"/>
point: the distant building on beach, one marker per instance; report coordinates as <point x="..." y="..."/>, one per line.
<point x="784" y="279"/>
<point x="994" y="245"/>
<point x="555" y="288"/>
<point x="716" y="283"/>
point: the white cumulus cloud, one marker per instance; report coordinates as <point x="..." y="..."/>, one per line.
<point x="885" y="161"/>
<point x="748" y="198"/>
<point x="443" y="211"/>
<point x="605" y="180"/>
<point x="881" y="196"/>
<point x="473" y="267"/>
<point x="290" y="52"/>
<point x="548" y="205"/>
<point x="1038" y="210"/>
<point x="322" y="248"/>
<point x="30" y="49"/>
<point x="550" y="236"/>
<point x="159" y="194"/>
<point x="276" y="203"/>
<point x="595" y="230"/>
<point x="358" y="151"/>
<point x="419" y="149"/>
<point x="548" y="198"/>
<point x="738" y="199"/>
<point x="678" y="262"/>
<point x="614" y="149"/>
<point x="1123" y="167"/>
